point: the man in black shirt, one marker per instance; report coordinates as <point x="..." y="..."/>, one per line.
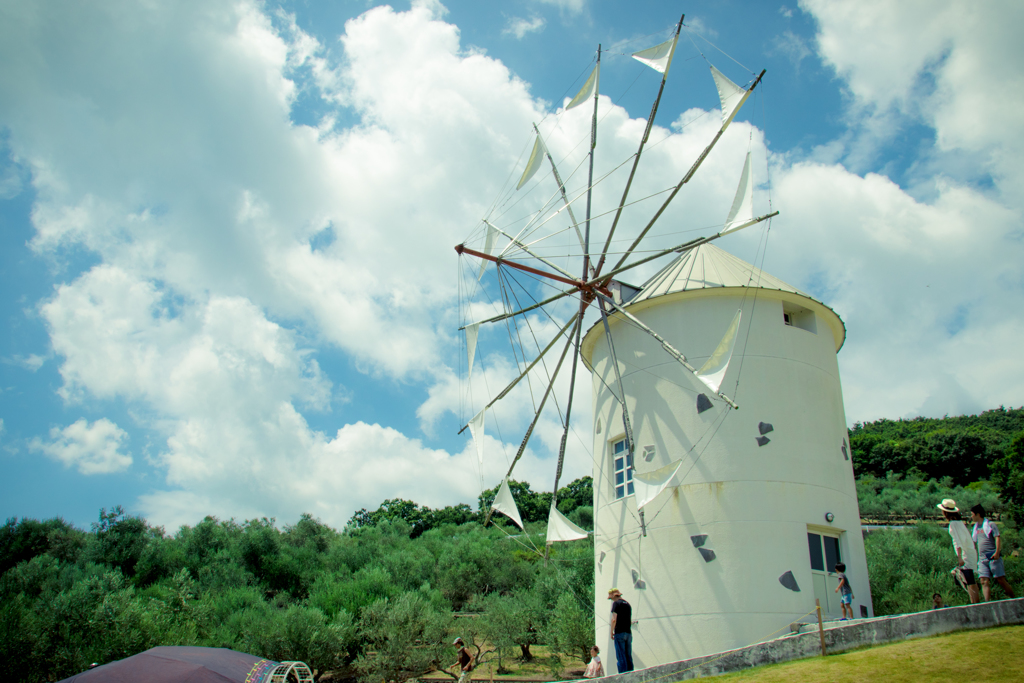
<point x="622" y="618"/>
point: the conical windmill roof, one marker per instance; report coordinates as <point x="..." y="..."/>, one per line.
<point x="709" y="268"/>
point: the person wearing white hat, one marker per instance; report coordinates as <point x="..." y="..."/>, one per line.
<point x="966" y="553"/>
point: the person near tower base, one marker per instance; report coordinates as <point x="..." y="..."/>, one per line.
<point x="990" y="546"/>
<point x="621" y="631"/>
<point x="845" y="591"/>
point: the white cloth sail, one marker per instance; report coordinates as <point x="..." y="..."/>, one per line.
<point x="492" y="232"/>
<point x="476" y="428"/>
<point x="742" y="212"/>
<point x="506" y="504"/>
<point x="731" y="95"/>
<point x="658" y="57"/>
<point x="588" y="90"/>
<point x="561" y="529"/>
<point x="713" y="371"/>
<point x="648" y="485"/>
<point x="471" y="334"/>
<point x="536" y="157"/>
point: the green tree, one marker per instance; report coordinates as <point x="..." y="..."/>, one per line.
<point x="20" y="541"/>
<point x="297" y="634"/>
<point x="121" y="539"/>
<point x="402" y="638"/>
<point x="1008" y="476"/>
<point x="571" y="630"/>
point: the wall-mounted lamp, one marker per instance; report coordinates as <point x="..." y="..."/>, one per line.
<point x="829" y="517"/>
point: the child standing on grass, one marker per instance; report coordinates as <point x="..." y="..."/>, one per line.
<point x="844" y="590"/>
<point x="594" y="669"/>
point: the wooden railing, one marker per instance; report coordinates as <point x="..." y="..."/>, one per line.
<point x="905" y="519"/>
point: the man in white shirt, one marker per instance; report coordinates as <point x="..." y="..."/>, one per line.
<point x="966" y="554"/>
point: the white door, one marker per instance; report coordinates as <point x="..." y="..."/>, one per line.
<point x="824" y="554"/>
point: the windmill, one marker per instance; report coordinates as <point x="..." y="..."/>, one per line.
<point x="665" y="427"/>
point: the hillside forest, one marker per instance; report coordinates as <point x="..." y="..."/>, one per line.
<point x="382" y="598"/>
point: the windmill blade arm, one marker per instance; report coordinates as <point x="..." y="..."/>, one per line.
<point x="568" y="410"/>
<point x="539" y="304"/>
<point x="532" y="364"/>
<point x="685" y="246"/>
<point x="561" y="188"/>
<point x="636" y="161"/>
<point x="686" y="179"/>
<point x="626" y="425"/>
<point x="540" y="408"/>
<point x="528" y="251"/>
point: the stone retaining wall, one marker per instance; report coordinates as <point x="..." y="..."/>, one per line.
<point x="839" y="637"/>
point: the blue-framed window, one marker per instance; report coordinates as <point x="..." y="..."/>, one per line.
<point x="622" y="469"/>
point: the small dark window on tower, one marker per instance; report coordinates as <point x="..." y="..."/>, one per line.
<point x="798" y="316"/>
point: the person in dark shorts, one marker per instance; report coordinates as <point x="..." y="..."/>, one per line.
<point x="622" y="634"/>
<point x="966" y="554"/>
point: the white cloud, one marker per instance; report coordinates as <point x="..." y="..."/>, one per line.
<point x="92" y="449"/>
<point x="929" y="287"/>
<point x="567" y="6"/>
<point x="793" y="46"/>
<point x="519" y="27"/>
<point x="203" y="229"/>
<point x="31" y="362"/>
<point x="949" y="65"/>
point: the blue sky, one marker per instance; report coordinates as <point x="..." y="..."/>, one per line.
<point x="227" y="227"/>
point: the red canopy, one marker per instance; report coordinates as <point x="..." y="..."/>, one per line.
<point x="180" y="665"/>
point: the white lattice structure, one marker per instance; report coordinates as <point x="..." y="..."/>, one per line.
<point x="281" y="672"/>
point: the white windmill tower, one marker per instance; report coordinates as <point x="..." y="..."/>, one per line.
<point x="727" y="524"/>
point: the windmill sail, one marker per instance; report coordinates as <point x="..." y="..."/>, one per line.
<point x="561" y="529"/>
<point x="658" y="57"/>
<point x="588" y="89"/>
<point x="713" y="371"/>
<point x="648" y="485"/>
<point x="532" y="166"/>
<point x="471" y="335"/>
<point x="742" y="212"/>
<point x="506" y="504"/>
<point x="492" y="232"/>
<point x="731" y="95"/>
<point x="476" y="428"/>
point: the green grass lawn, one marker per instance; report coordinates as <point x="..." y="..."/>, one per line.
<point x="995" y="654"/>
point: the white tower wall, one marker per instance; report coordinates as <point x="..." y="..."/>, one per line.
<point x="756" y="504"/>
